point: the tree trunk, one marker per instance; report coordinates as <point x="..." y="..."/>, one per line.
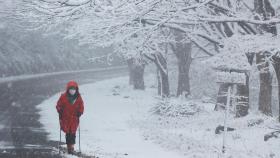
<point x="136" y="74"/>
<point x="139" y="77"/>
<point x="159" y="82"/>
<point x="182" y="50"/>
<point x="278" y="79"/>
<point x="163" y="81"/>
<point x="276" y="65"/>
<point x="265" y="94"/>
<point x="130" y="71"/>
<point x="183" y="78"/>
<point x="183" y="54"/>
<point x="163" y="84"/>
<point x="277" y="68"/>
<point x="162" y="74"/>
<point x="266" y="11"/>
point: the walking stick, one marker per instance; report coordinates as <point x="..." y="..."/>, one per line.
<point x="59" y="140"/>
<point x="80" y="139"/>
<point x="59" y="143"/>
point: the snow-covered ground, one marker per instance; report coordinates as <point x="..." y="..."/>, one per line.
<point x="118" y="123"/>
<point x="105" y="126"/>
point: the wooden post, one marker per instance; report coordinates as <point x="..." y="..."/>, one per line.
<point x="225" y="119"/>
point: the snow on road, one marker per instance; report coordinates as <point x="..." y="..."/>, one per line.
<point x="106" y="126"/>
<point x="42" y="75"/>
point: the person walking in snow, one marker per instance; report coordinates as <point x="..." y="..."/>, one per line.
<point x="70" y="107"/>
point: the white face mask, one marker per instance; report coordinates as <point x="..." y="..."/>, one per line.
<point x="72" y="91"/>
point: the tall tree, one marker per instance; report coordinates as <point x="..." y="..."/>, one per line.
<point x="264" y="11"/>
<point x="182" y="50"/>
<point x="276" y="65"/>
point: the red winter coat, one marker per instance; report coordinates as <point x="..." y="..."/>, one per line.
<point x="69" y="113"/>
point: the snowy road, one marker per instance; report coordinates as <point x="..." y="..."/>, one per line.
<point x="21" y="134"/>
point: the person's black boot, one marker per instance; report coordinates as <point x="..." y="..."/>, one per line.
<point x="72" y="149"/>
<point x="69" y="149"/>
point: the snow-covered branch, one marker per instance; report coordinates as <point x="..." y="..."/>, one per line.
<point x="103" y="23"/>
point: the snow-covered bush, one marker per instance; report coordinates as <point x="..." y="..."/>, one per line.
<point x="174" y="107"/>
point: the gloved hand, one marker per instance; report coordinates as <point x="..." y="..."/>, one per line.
<point x="78" y="114"/>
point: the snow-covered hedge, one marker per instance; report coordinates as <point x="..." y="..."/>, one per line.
<point x="174" y="107"/>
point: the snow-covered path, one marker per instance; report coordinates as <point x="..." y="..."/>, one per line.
<point x="106" y="127"/>
<point x="117" y="123"/>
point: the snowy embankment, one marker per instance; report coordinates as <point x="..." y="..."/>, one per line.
<point x="42" y="75"/>
<point x="120" y="122"/>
